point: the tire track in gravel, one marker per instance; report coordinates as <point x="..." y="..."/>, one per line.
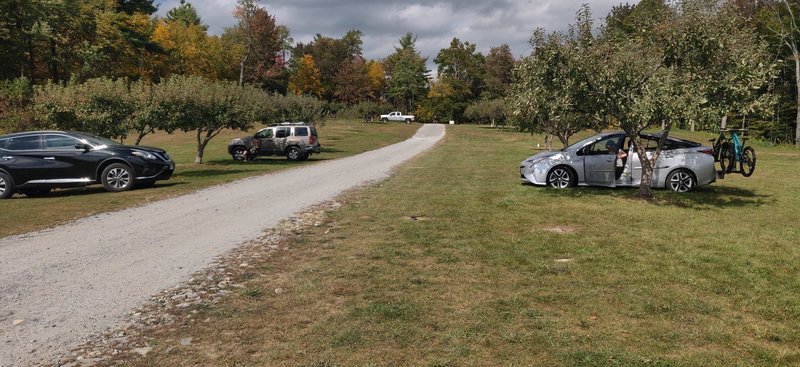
<point x="82" y="278"/>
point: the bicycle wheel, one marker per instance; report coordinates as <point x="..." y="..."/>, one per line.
<point x="748" y="161"/>
<point x="727" y="158"/>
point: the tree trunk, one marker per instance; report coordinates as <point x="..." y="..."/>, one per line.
<point x="647" y="167"/>
<point x="53" y="61"/>
<point x="142" y="134"/>
<point x="201" y="146"/>
<point x="797" y="90"/>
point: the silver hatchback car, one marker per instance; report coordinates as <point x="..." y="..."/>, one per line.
<point x="609" y="159"/>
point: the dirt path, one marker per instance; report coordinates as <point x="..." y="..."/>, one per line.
<point x="62" y="284"/>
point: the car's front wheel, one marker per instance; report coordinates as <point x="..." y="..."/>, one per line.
<point x="561" y="177"/>
<point x="6" y="186"/>
<point x="117" y="177"/>
<point x="681" y="181"/>
<point x="294" y="154"/>
<point x="239" y="153"/>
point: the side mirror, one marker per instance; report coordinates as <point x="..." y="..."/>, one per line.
<point x="85" y="147"/>
<point x="581" y="151"/>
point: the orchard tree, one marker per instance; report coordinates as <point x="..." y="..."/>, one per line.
<point x="550" y="94"/>
<point x="699" y="62"/>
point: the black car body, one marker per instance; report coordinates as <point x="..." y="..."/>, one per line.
<point x="35" y="162"/>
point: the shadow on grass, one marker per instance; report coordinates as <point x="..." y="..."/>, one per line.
<point x="704" y="197"/>
<point x="92" y="190"/>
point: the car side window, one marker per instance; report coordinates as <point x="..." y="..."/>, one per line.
<point x="282" y="132"/>
<point x="3" y="143"/>
<point x="600" y="146"/>
<point x="60" y="142"/>
<point x="24" y="143"/>
<point x="266" y="134"/>
<point x="300" y="131"/>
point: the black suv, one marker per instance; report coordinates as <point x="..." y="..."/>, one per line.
<point x="296" y="140"/>
<point x="33" y="163"/>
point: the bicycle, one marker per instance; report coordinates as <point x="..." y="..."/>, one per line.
<point x="729" y="152"/>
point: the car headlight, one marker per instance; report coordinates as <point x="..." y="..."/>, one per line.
<point x="533" y="160"/>
<point x="143" y="154"/>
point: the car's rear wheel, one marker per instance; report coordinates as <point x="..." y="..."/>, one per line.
<point x="117" y="177"/>
<point x="408" y="121"/>
<point x="681" y="181"/>
<point x="239" y="153"/>
<point x="561" y="178"/>
<point x="6" y="186"/>
<point x="294" y="153"/>
<point x="384" y="120"/>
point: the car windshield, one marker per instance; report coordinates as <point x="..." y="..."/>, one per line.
<point x="581" y="143"/>
<point x="96" y="141"/>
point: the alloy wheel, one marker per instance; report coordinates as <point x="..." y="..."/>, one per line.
<point x="118" y="178"/>
<point x="681" y="181"/>
<point x="3" y="186"/>
<point x="559" y="178"/>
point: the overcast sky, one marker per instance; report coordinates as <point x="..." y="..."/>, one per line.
<point x="486" y="23"/>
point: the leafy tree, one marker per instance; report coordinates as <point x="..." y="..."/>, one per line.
<point x="329" y="55"/>
<point x="461" y="64"/>
<point x="186" y="15"/>
<point x="306" y="78"/>
<point x="297" y="108"/>
<point x="494" y="112"/>
<point x="376" y="75"/>
<point x="407" y="74"/>
<point x="699" y="62"/>
<point x="207" y="107"/>
<point x="550" y="94"/>
<point x="352" y="82"/>
<point x="779" y="17"/>
<point x="498" y="72"/>
<point x="97" y="106"/>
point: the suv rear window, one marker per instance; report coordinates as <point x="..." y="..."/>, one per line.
<point x="24" y="143"/>
<point x="300" y="131"/>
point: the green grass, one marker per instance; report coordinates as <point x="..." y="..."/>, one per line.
<point x="339" y="138"/>
<point x="708" y="278"/>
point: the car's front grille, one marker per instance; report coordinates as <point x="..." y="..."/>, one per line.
<point x="164" y="156"/>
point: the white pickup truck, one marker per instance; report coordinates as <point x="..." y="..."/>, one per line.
<point x="397" y="116"/>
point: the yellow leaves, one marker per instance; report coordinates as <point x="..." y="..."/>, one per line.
<point x="306" y="79"/>
<point x="191" y="50"/>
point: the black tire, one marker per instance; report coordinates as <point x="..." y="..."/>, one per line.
<point x="239" y="153"/>
<point x="6" y="186"/>
<point x="384" y="119"/>
<point x="561" y="177"/>
<point x="681" y="181"/>
<point x="294" y="153"/>
<point x="727" y="158"/>
<point x="748" y="161"/>
<point x="117" y="177"/>
<point x="37" y="192"/>
<point x="408" y="121"/>
<point x="305" y="156"/>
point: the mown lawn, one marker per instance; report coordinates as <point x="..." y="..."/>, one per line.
<point x="339" y="138"/>
<point x="495" y="273"/>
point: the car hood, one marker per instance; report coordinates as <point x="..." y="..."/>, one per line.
<point x="241" y="140"/>
<point x="146" y="148"/>
<point x="541" y="156"/>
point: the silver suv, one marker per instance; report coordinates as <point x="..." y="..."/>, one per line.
<point x="296" y="140"/>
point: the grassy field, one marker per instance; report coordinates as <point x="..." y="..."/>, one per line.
<point x="338" y="138"/>
<point x="495" y="273"/>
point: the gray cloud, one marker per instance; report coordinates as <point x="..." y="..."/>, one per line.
<point x="486" y="23"/>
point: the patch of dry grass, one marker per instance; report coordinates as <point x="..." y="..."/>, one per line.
<point x="707" y="278"/>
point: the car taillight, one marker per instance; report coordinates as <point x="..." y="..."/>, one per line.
<point x="312" y="139"/>
<point x="707" y="151"/>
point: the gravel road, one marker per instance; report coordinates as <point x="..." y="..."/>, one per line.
<point x="62" y="284"/>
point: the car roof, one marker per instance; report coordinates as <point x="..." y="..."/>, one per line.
<point x="24" y="133"/>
